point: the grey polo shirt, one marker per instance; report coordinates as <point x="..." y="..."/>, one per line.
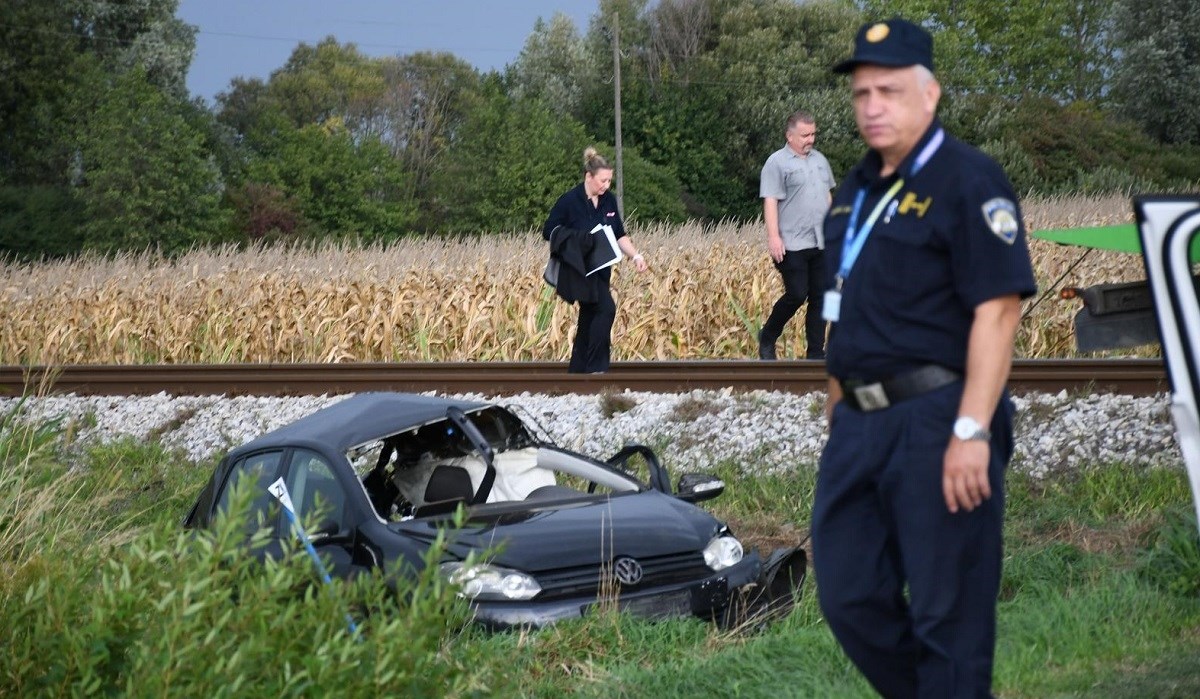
<point x="801" y="184"/>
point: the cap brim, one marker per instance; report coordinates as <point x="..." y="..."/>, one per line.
<point x="872" y="59"/>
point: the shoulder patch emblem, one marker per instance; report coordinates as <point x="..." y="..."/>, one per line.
<point x="1001" y="217"/>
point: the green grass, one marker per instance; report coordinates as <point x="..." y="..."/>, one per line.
<point x="100" y="593"/>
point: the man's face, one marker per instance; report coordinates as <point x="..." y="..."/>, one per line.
<point x="893" y="106"/>
<point x="801" y="137"/>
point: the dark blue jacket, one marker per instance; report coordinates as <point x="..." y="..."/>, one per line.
<point x="575" y="217"/>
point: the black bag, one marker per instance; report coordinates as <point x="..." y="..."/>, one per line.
<point x="550" y="274"/>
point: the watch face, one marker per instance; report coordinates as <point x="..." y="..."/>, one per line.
<point x="965" y="427"/>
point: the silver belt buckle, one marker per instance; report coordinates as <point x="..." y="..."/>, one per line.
<point x="871" y="397"/>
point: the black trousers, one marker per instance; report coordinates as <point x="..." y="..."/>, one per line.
<point x="593" y="337"/>
<point x="803" y="273"/>
<point x="880" y="524"/>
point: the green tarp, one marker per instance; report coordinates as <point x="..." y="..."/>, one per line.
<point x="1122" y="238"/>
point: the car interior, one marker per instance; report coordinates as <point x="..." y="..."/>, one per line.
<point x="431" y="469"/>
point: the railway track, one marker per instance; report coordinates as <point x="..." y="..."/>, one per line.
<point x="1126" y="376"/>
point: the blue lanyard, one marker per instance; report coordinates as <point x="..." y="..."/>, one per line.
<point x="856" y="237"/>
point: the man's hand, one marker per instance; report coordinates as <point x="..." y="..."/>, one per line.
<point x="775" y="247"/>
<point x="833" y="397"/>
<point x="774" y="238"/>
<point x="965" y="474"/>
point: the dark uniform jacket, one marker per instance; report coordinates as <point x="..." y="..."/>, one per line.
<point x="568" y="229"/>
<point x="950" y="239"/>
<point x="572" y="247"/>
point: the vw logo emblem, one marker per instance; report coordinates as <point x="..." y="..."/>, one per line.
<point x="627" y="570"/>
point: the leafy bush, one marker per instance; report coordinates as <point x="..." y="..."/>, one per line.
<point x="90" y="607"/>
<point x="39" y="221"/>
<point x="264" y="212"/>
<point x="183" y="614"/>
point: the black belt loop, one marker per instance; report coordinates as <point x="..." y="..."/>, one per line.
<point x="866" y="397"/>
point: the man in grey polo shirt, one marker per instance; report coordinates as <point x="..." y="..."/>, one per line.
<point x="795" y="188"/>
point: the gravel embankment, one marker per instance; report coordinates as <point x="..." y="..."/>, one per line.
<point x="765" y="431"/>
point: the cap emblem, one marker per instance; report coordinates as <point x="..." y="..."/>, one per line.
<point x="877" y="33"/>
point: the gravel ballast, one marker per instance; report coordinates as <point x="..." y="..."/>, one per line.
<point x="762" y="431"/>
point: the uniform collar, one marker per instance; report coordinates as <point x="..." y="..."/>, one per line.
<point x="872" y="163"/>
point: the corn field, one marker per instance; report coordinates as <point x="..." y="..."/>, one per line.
<point x="709" y="290"/>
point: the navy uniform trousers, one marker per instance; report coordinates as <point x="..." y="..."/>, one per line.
<point x="880" y="522"/>
<point x="593" y="335"/>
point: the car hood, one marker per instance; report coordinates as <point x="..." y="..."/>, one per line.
<point x="640" y="525"/>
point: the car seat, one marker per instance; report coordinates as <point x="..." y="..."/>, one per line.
<point x="449" y="483"/>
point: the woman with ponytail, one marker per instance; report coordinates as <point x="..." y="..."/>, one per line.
<point x="571" y="230"/>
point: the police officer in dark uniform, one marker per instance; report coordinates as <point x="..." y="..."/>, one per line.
<point x="927" y="253"/>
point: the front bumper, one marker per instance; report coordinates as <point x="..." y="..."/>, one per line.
<point x="705" y="597"/>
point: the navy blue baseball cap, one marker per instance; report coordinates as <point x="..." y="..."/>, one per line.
<point x="897" y="43"/>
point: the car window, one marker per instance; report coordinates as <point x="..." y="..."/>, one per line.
<point x="255" y="473"/>
<point x="318" y="497"/>
<point x="502" y="429"/>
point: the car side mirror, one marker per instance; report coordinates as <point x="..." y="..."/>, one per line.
<point x="698" y="487"/>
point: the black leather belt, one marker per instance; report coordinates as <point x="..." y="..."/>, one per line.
<point x="866" y="397"/>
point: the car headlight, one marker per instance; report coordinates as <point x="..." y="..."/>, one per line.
<point x="483" y="581"/>
<point x="722" y="552"/>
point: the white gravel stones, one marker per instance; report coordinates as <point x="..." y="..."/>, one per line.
<point x="759" y="430"/>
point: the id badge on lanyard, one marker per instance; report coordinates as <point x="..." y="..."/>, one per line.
<point x="857" y="237"/>
<point x="853" y="245"/>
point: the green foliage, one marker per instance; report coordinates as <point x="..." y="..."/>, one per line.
<point x="100" y="148"/>
<point x="709" y="94"/>
<point x="652" y="193"/>
<point x="40" y="66"/>
<point x="553" y="66"/>
<point x="38" y="222"/>
<point x="325" y="82"/>
<point x="92" y="607"/>
<point x="512" y="161"/>
<point x="50" y="54"/>
<point x="1056" y="148"/>
<point x="1056" y="48"/>
<point x="264" y="212"/>
<point x="32" y="488"/>
<point x="177" y="614"/>
<point x="347" y="188"/>
<point x="1158" y="83"/>
<point x="147" y="180"/>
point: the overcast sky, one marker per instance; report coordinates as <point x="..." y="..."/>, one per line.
<point x="251" y="38"/>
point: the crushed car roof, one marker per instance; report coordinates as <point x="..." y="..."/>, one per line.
<point x="360" y="419"/>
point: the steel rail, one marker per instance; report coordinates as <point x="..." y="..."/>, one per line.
<point x="1126" y="376"/>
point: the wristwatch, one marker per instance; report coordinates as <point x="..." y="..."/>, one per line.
<point x="966" y="428"/>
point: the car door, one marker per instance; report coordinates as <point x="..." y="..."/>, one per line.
<point x="326" y="512"/>
<point x="1169" y="227"/>
<point x="249" y="477"/>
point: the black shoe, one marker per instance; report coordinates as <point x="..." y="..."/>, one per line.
<point x="766" y="351"/>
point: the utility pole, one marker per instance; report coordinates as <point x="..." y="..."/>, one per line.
<point x="620" y="173"/>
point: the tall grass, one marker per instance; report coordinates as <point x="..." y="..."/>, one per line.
<point x="1092" y="603"/>
<point x="476" y="299"/>
<point x="93" y="603"/>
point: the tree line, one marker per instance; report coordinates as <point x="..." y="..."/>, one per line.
<point x="102" y="149"/>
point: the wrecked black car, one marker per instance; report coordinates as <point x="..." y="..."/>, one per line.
<point x="546" y="533"/>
